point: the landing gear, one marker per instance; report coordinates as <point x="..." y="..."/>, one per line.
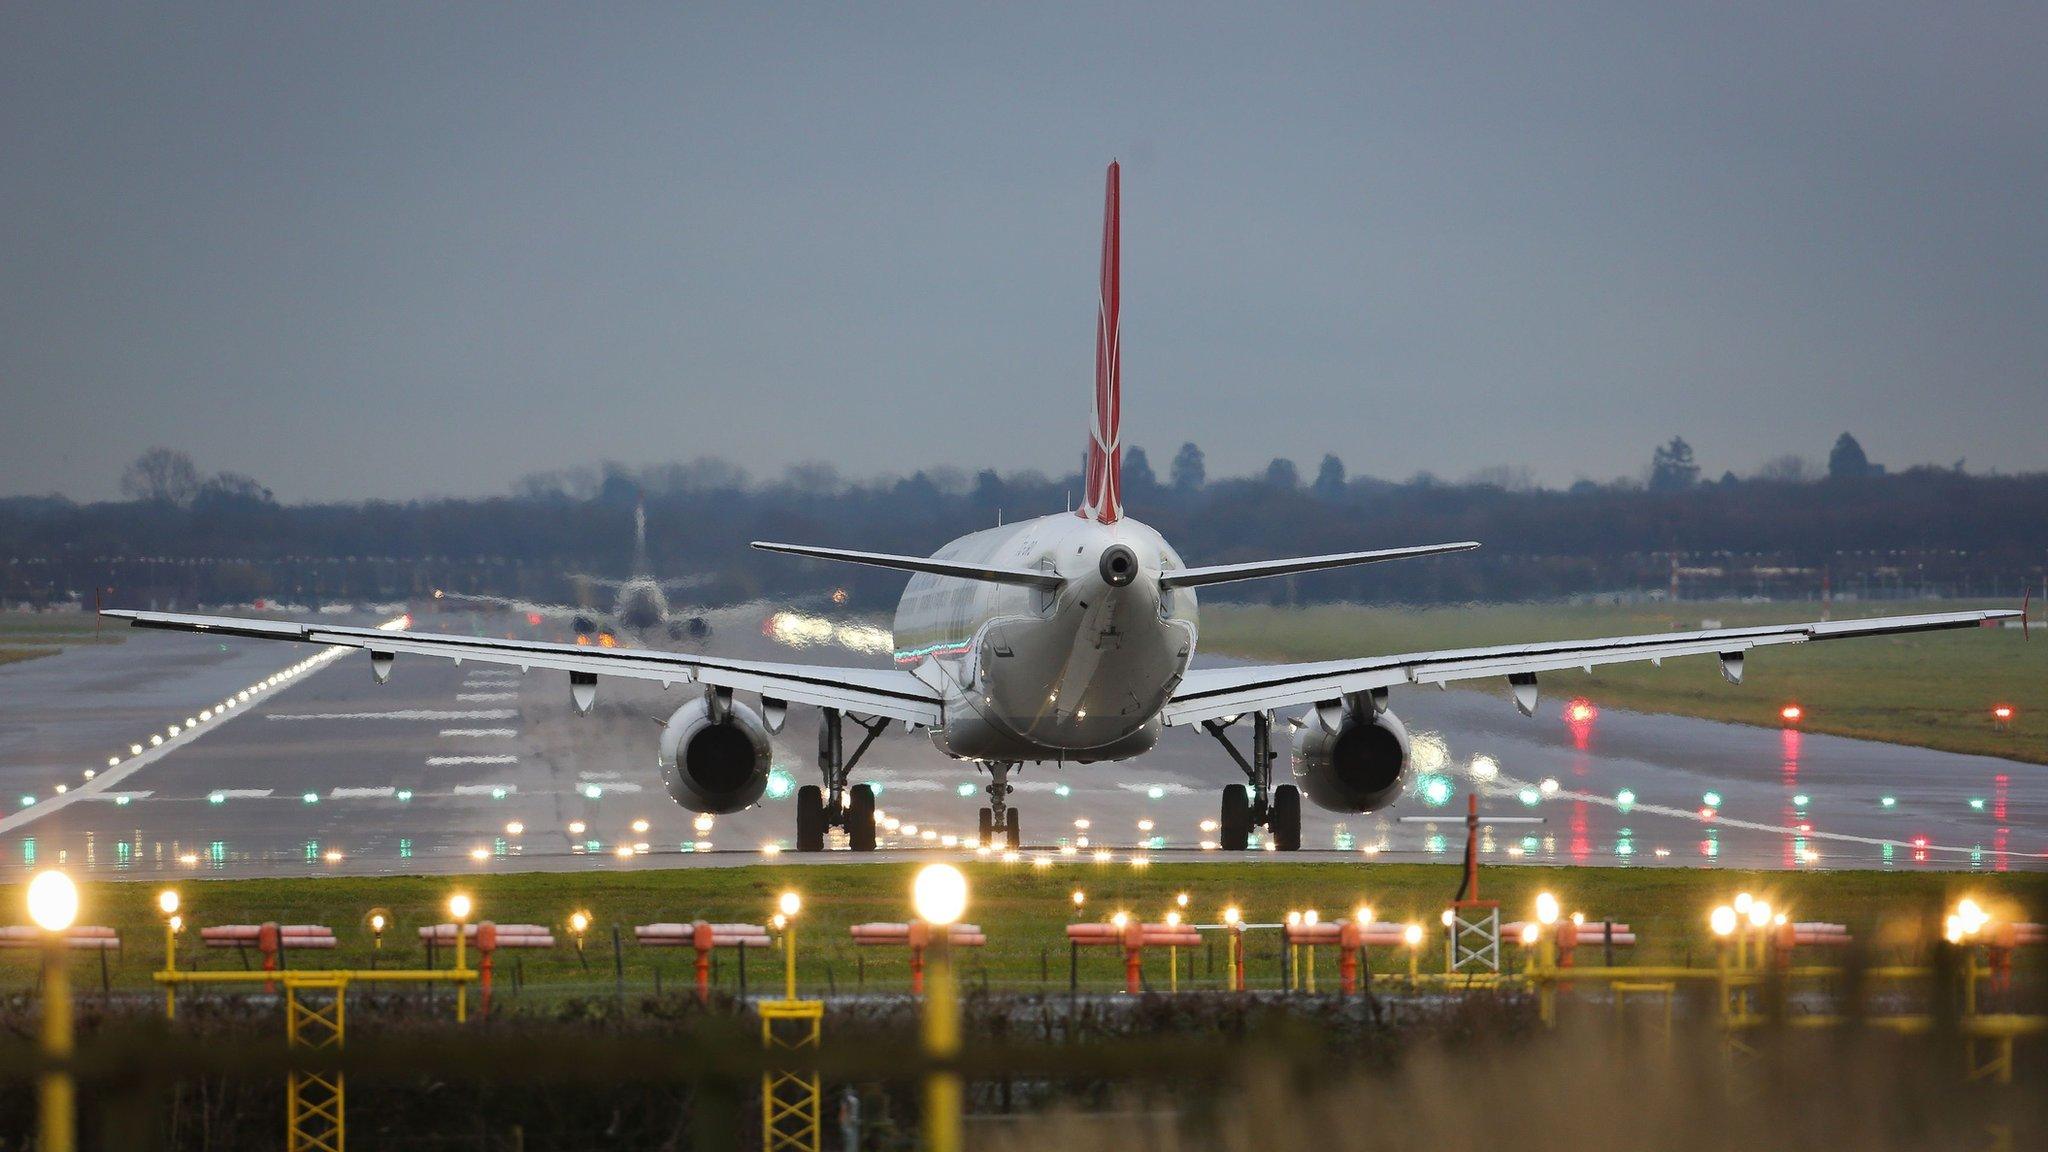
<point x="835" y="804"/>
<point x="999" y="817"/>
<point x="1256" y="803"/>
<point x="810" y="819"/>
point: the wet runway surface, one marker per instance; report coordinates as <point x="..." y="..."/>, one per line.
<point x="458" y="769"/>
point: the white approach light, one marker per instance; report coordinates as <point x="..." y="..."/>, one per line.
<point x="52" y="901"/>
<point x="939" y="894"/>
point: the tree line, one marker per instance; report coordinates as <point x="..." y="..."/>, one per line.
<point x="187" y="537"/>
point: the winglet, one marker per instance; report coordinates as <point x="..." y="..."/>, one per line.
<point x="1104" y="501"/>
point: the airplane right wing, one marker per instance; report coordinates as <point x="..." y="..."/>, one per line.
<point x="1214" y="693"/>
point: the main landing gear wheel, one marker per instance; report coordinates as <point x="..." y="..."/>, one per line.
<point x="985" y="827"/>
<point x="835" y="804"/>
<point x="1285" y="819"/>
<point x="1010" y="829"/>
<point x="1256" y="803"/>
<point x="1236" y="824"/>
<point x="810" y="819"/>
<point x="860" y="818"/>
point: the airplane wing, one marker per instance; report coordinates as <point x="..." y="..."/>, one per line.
<point x="870" y="691"/>
<point x="1213" y="693"/>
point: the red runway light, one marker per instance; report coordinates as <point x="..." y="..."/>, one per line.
<point x="2002" y="712"/>
<point x="533" y="618"/>
<point x="1791" y="713"/>
<point x="1580" y="712"/>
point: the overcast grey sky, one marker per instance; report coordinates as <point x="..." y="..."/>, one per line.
<point x="360" y="251"/>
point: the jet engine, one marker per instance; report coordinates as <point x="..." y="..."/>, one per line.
<point x="1358" y="767"/>
<point x="715" y="756"/>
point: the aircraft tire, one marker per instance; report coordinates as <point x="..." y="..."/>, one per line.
<point x="1286" y="819"/>
<point x="987" y="826"/>
<point x="810" y="818"/>
<point x="1235" y="828"/>
<point x="1012" y="831"/>
<point x="860" y="818"/>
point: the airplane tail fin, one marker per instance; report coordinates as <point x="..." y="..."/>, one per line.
<point x="1104" y="501"/>
<point x="641" y="567"/>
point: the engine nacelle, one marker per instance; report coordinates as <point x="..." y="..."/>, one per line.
<point x="1357" y="768"/>
<point x="712" y="765"/>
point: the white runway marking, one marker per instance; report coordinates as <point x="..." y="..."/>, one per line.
<point x="361" y="793"/>
<point x="484" y="790"/>
<point x="479" y="731"/>
<point x="117" y="797"/>
<point x="481" y="696"/>
<point x="240" y="793"/>
<point x="897" y="780"/>
<point x="103" y="783"/>
<point x="401" y="714"/>
<point x="612" y="786"/>
<point x="446" y="761"/>
<point x="1164" y="789"/>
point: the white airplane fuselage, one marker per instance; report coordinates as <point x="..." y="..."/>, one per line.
<point x="1078" y="673"/>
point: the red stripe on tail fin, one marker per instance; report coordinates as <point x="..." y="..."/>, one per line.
<point x="1105" y="500"/>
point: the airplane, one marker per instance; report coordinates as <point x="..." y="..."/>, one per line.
<point x="1068" y="638"/>
<point x="640" y="604"/>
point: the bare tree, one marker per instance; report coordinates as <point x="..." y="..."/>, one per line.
<point x="1785" y="470"/>
<point x="161" y="476"/>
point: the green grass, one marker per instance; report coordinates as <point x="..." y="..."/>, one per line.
<point x="1023" y="910"/>
<point x="1930" y="690"/>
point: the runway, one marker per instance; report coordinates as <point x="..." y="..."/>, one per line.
<point x="453" y="769"/>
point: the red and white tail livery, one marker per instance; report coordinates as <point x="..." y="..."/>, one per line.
<point x="1105" y="496"/>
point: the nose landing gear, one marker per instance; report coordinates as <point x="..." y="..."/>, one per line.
<point x="999" y="817"/>
<point x="1256" y="803"/>
<point x="836" y="804"/>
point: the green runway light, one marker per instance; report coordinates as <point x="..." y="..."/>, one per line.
<point x="405" y="794"/>
<point x="1977" y="802"/>
<point x="1624" y="799"/>
<point x="1062" y="790"/>
<point x="217" y="798"/>
<point x="1155" y="792"/>
<point x="1801" y="800"/>
<point x="1529" y="796"/>
<point x="779" y="784"/>
<point x="1889" y="801"/>
<point x="1436" y="791"/>
<point x="27" y="800"/>
<point x="1711" y="799"/>
<point x="592" y="791"/>
<point x="965" y="790"/>
<point x="121" y="801"/>
<point x="311" y="797"/>
<point x="497" y="793"/>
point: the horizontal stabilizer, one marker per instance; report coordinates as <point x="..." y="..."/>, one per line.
<point x="1224" y="573"/>
<point x="1027" y="576"/>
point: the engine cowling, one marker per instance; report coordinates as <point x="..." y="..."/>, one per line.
<point x="1357" y="768"/>
<point x="712" y="765"/>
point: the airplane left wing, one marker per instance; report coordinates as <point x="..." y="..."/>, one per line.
<point x="1213" y="693"/>
<point x="870" y="691"/>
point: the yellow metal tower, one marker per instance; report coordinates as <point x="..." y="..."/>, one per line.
<point x="791" y="1104"/>
<point x="315" y="1017"/>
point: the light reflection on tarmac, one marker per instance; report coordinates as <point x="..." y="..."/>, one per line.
<point x="429" y="772"/>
